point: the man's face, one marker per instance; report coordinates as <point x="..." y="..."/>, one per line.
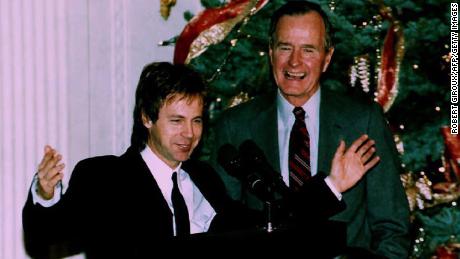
<point x="178" y="129"/>
<point x="298" y="56"/>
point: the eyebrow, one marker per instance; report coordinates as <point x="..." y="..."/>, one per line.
<point x="280" y="43"/>
<point x="178" y="116"/>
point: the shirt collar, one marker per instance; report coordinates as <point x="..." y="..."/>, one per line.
<point x="159" y="169"/>
<point x="285" y="109"/>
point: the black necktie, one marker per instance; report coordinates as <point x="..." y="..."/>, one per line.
<point x="299" y="151"/>
<point x="180" y="210"/>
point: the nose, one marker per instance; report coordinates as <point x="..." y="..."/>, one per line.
<point x="294" y="57"/>
<point x="188" y="130"/>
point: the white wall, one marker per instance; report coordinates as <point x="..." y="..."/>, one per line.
<point x="68" y="72"/>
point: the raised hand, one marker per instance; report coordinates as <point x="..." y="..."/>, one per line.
<point x="349" y="166"/>
<point x="49" y="172"/>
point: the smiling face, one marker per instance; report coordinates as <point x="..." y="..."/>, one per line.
<point x="298" y="56"/>
<point x="177" y="132"/>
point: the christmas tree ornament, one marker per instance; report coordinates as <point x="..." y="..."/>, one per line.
<point x="353" y="75"/>
<point x="360" y="69"/>
<point x="238" y="99"/>
<point x="391" y="57"/>
<point x="418" y="190"/>
<point x="211" y="26"/>
<point x="165" y="8"/>
<point x="450" y="251"/>
<point x="363" y="72"/>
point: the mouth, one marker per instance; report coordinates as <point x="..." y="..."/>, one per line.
<point x="294" y="75"/>
<point x="184" y="147"/>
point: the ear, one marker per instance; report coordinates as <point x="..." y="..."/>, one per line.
<point x="270" y="53"/>
<point x="327" y="59"/>
<point x="146" y="121"/>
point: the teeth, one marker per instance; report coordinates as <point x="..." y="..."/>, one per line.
<point x="295" y="74"/>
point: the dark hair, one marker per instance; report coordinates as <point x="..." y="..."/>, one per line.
<point x="160" y="82"/>
<point x="293" y="8"/>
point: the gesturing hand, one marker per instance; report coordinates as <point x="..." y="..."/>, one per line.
<point x="49" y="172"/>
<point x="349" y="166"/>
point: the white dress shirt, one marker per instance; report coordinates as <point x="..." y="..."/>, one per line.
<point x="200" y="211"/>
<point x="286" y="119"/>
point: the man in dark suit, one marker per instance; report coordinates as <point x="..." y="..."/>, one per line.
<point x="122" y="207"/>
<point x="128" y="206"/>
<point x="300" y="50"/>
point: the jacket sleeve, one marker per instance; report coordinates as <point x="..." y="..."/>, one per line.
<point x="56" y="231"/>
<point x="387" y="210"/>
<point x="315" y="201"/>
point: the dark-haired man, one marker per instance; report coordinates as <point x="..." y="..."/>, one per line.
<point x="122" y="207"/>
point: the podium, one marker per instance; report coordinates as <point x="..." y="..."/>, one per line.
<point x="319" y="240"/>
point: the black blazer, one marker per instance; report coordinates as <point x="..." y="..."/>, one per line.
<point x="114" y="208"/>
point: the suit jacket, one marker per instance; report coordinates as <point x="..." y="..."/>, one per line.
<point x="377" y="213"/>
<point x="114" y="208"/>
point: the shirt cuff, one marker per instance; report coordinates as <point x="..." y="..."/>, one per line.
<point x="36" y="198"/>
<point x="333" y="189"/>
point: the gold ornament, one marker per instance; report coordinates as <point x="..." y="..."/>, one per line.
<point x="165" y="8"/>
<point x="418" y="191"/>
<point x="239" y="99"/>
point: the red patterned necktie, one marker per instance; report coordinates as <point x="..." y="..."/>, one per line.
<point x="299" y="151"/>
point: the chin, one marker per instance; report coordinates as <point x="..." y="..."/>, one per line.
<point x="183" y="158"/>
<point x="292" y="91"/>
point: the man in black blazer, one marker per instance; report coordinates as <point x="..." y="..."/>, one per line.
<point x="300" y="50"/>
<point x="123" y="206"/>
<point x="128" y="206"/>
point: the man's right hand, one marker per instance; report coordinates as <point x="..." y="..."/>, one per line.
<point x="49" y="173"/>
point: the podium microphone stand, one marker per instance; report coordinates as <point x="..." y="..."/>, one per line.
<point x="269" y="227"/>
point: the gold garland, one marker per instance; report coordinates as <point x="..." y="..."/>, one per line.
<point x="218" y="32"/>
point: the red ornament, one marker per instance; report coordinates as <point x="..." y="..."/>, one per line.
<point x="392" y="54"/>
<point x="210" y="27"/>
<point x="445" y="252"/>
<point x="451" y="155"/>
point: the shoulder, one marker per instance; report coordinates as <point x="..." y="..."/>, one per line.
<point x="207" y="180"/>
<point x="203" y="174"/>
<point x="97" y="161"/>
<point x="195" y="166"/>
<point x="355" y="101"/>
<point x="94" y="168"/>
<point x="251" y="108"/>
<point x="353" y="98"/>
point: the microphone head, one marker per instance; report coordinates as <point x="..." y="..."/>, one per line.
<point x="250" y="152"/>
<point x="230" y="160"/>
<point x="254" y="158"/>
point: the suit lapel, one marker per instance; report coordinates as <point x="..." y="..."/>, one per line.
<point x="146" y="183"/>
<point x="332" y="125"/>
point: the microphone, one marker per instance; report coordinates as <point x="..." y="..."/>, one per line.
<point x="254" y="159"/>
<point x="229" y="158"/>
